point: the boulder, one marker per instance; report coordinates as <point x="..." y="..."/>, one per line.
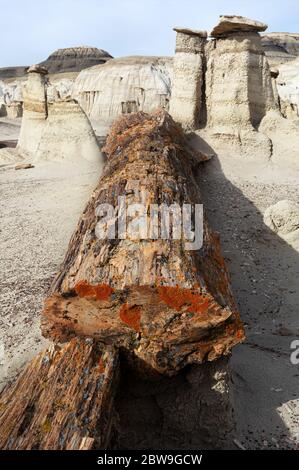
<point x="283" y="217"/>
<point x="232" y="24"/>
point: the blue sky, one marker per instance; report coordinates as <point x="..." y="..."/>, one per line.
<point x="31" y="29"/>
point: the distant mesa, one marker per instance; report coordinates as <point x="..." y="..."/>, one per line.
<point x="74" y="59"/>
<point x="280" y="47"/>
<point x="70" y="59"/>
<point x="12" y="72"/>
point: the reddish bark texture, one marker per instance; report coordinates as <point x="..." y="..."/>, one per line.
<point x="168" y="306"/>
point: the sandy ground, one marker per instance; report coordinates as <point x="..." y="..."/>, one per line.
<point x="10" y="128"/>
<point x="39" y="210"/>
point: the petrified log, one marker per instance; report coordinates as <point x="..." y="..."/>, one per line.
<point x="168" y="305"/>
<point x="62" y="400"/>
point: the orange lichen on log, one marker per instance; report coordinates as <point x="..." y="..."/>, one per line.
<point x="177" y="297"/>
<point x="130" y="315"/>
<point x="98" y="291"/>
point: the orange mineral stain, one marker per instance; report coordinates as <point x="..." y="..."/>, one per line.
<point x="177" y="297"/>
<point x="98" y="291"/>
<point x="130" y="316"/>
<point x="240" y="334"/>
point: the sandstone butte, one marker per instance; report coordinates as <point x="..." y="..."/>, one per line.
<point x="161" y="306"/>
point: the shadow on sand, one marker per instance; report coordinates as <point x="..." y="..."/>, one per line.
<point x="264" y="272"/>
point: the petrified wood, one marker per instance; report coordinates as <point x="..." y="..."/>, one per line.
<point x="168" y="305"/>
<point x="62" y="400"/>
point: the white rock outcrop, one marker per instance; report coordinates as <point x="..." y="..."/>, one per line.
<point x="188" y="73"/>
<point x="59" y="89"/>
<point x="11" y="99"/>
<point x="124" y="85"/>
<point x="284" y="135"/>
<point x="287" y="84"/>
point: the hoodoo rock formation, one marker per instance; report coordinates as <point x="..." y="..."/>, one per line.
<point x="57" y="130"/>
<point x="35" y="110"/>
<point x="67" y="135"/>
<point x="153" y="298"/>
<point x="188" y="74"/>
<point x="224" y="90"/>
<point x="238" y="85"/>
<point x="124" y="85"/>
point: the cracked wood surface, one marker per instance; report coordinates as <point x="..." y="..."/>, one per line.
<point x="167" y="305"/>
<point x="62" y="400"/>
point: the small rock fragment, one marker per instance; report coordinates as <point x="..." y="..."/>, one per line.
<point x="24" y="166"/>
